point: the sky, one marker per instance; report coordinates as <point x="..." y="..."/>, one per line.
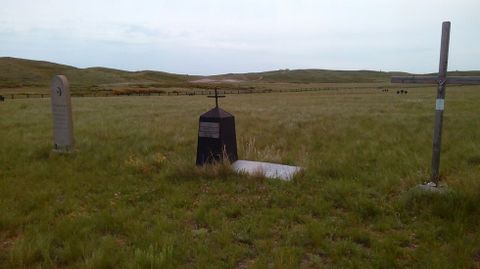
<point x="204" y="37"/>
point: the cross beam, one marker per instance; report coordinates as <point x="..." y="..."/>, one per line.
<point x="441" y="80"/>
<point x="434" y="80"/>
<point x="216" y="96"/>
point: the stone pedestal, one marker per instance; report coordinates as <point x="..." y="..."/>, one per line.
<point x="216" y="137"/>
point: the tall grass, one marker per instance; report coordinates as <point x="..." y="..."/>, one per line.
<point x="130" y="195"/>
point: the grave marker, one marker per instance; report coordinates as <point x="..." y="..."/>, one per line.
<point x="217" y="141"/>
<point x="441" y="80"/>
<point x="62" y="114"/>
<point x="216" y="135"/>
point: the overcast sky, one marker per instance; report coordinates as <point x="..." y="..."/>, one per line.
<point x="221" y="36"/>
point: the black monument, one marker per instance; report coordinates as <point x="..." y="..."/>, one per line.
<point x="216" y="135"/>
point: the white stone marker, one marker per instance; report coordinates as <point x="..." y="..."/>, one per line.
<point x="62" y="114"/>
<point x="270" y="170"/>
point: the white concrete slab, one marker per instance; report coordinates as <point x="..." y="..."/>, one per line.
<point x="270" y="170"/>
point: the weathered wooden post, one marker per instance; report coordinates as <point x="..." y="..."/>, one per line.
<point x="441" y="80"/>
<point x="440" y="102"/>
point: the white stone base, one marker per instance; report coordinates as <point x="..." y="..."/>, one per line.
<point x="269" y="170"/>
<point x="431" y="187"/>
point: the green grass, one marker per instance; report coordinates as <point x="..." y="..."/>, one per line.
<point x="131" y="197"/>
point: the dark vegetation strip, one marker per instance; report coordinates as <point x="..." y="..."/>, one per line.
<point x="184" y="93"/>
<point x="159" y="93"/>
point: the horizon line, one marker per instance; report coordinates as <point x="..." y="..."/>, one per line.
<point x="235" y="73"/>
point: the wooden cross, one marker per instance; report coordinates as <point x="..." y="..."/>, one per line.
<point x="216" y="96"/>
<point x="441" y="80"/>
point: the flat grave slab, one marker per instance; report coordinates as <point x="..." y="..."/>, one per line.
<point x="269" y="170"/>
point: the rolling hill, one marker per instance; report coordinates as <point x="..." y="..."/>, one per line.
<point x="17" y="73"/>
<point x="21" y="73"/>
<point x="310" y="76"/>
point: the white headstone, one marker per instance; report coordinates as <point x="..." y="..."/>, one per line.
<point x="62" y="114"/>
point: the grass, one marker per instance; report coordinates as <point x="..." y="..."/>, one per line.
<point x="130" y="195"/>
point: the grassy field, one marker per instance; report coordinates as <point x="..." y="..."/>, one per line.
<point x="130" y="195"/>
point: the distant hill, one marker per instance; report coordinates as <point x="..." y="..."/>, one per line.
<point x="308" y="76"/>
<point x="319" y="76"/>
<point x="15" y="73"/>
<point x="20" y="73"/>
